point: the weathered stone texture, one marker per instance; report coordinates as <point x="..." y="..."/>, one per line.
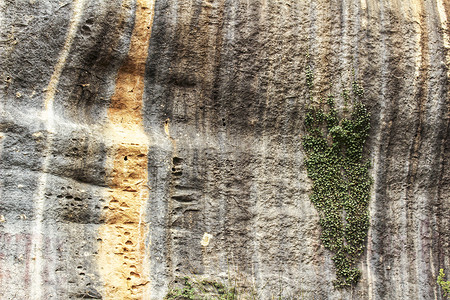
<point x="220" y="110"/>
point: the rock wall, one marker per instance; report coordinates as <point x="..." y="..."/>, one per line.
<point x="141" y="141"/>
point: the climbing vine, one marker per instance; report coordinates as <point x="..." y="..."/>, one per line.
<point x="340" y="175"/>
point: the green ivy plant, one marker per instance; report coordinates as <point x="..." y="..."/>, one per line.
<point x="185" y="293"/>
<point x="193" y="289"/>
<point x="341" y="182"/>
<point x="445" y="285"/>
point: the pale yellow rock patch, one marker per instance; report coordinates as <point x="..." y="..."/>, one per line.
<point x="123" y="259"/>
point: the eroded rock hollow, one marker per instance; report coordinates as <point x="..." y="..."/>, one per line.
<point x="142" y="141"/>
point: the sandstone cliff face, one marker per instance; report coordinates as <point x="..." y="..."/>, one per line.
<point x="130" y="130"/>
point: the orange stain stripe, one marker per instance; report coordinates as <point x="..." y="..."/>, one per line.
<point x="123" y="260"/>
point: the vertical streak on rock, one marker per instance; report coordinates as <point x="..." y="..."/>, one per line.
<point x="443" y="259"/>
<point x="442" y="11"/>
<point x="345" y="45"/>
<point x="2" y="136"/>
<point x="410" y="228"/>
<point x="48" y="119"/>
<point x="361" y="28"/>
<point x="375" y="206"/>
<point x="436" y="110"/>
<point x="123" y="261"/>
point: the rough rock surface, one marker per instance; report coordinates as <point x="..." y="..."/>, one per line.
<point x="130" y="130"/>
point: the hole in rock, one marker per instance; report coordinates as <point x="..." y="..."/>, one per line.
<point x="183" y="198"/>
<point x="177" y="160"/>
<point x="86" y="28"/>
<point x="125" y="158"/>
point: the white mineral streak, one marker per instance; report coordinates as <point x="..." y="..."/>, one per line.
<point x="48" y="118"/>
